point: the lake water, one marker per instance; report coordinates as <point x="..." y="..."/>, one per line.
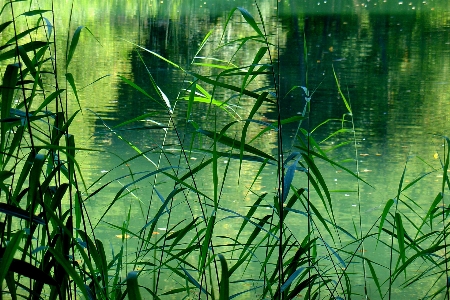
<point x="392" y="59"/>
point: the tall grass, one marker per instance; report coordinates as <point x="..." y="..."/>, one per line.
<point x="282" y="243"/>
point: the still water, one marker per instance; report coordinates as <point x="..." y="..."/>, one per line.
<point x="392" y="59"/>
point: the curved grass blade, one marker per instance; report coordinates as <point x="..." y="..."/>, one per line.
<point x="71" y="272"/>
<point x="301" y="286"/>
<point x="203" y="43"/>
<point x="4" y="25"/>
<point x="163" y="207"/>
<point x="133" y="286"/>
<point x="274" y="125"/>
<point x="3" y="176"/>
<point x="7" y="94"/>
<point x="255" y="108"/>
<point x="426" y="252"/>
<point x="9" y="253"/>
<point x="250" y="20"/>
<point x="225" y="85"/>
<point x="193" y="281"/>
<point x="207" y="240"/>
<point x="340" y="92"/>
<point x="139" y="118"/>
<point x="71" y="81"/>
<point x="125" y="187"/>
<point x="26" y="60"/>
<point x="341" y="261"/>
<point x="400" y="238"/>
<point x="35" y="12"/>
<point x="375" y="278"/>
<point x="49" y="99"/>
<point x="28" y="270"/>
<point x="34" y="182"/>
<point x="20" y="213"/>
<point x="225" y="281"/>
<point x="250" y="213"/>
<point x="287" y="180"/>
<point x="31" y="46"/>
<point x="234" y="143"/>
<point x="291" y="278"/>
<point x="386" y="209"/>
<point x="196" y="169"/>
<point x="74" y="43"/>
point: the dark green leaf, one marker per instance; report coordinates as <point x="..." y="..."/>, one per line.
<point x="225" y="281"/>
<point x="31" y="46"/>
<point x="234" y="143"/>
<point x="133" y="286"/>
<point x="35" y="12"/>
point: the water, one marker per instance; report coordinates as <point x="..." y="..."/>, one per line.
<point x="392" y="60"/>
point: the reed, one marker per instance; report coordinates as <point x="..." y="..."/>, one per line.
<point x="282" y="243"/>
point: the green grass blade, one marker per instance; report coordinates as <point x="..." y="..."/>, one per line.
<point x="196" y="169"/>
<point x="235" y="143"/>
<point x="340" y="92"/>
<point x="34" y="181"/>
<point x="133" y="286"/>
<point x="31" y="46"/>
<point x="225" y="281"/>
<point x="193" y="281"/>
<point x="274" y="125"/>
<point x="205" y="245"/>
<point x="302" y="285"/>
<point x="20" y="213"/>
<point x="26" y="269"/>
<point x="400" y="238"/>
<point x="7" y="94"/>
<point x="203" y="43"/>
<point x="9" y="253"/>
<point x="250" y="213"/>
<point x="159" y="56"/>
<point x="287" y="180"/>
<point x="26" y="60"/>
<point x="163" y="207"/>
<point x="225" y="85"/>
<point x="255" y="108"/>
<point x="48" y="100"/>
<point x="35" y="12"/>
<point x="71" y="272"/>
<point x="125" y="187"/>
<point x="291" y="278"/>
<point x="250" y="20"/>
<point x="4" y="25"/>
<point x="386" y="209"/>
<point x="71" y="81"/>
<point x="73" y="44"/>
<point x="375" y="278"/>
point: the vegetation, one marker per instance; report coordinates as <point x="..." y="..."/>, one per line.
<point x="279" y="245"/>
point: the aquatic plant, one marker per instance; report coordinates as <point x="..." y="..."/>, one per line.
<point x="283" y="240"/>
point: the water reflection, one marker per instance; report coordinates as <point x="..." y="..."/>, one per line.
<point x="392" y="67"/>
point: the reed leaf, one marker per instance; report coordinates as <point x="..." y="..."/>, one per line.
<point x="71" y="81"/>
<point x="205" y="244"/>
<point x="386" y="209"/>
<point x="234" y="143"/>
<point x="35" y="12"/>
<point x="8" y="254"/>
<point x="225" y="281"/>
<point x="133" y="286"/>
<point x="400" y="237"/>
<point x="31" y="46"/>
<point x="7" y="94"/>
